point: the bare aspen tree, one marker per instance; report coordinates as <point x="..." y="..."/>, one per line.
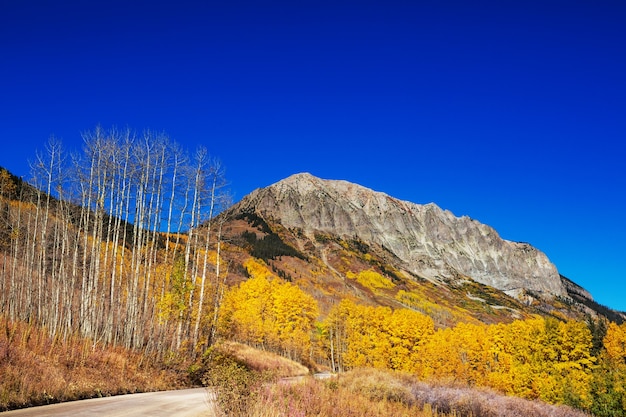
<point x="6" y="184"/>
<point x="44" y="169"/>
<point x="86" y="184"/>
<point x="16" y="244"/>
<point x="194" y="179"/>
<point x="118" y="204"/>
<point x="201" y="172"/>
<point x="64" y="274"/>
<point x="216" y="181"/>
<point x="27" y="284"/>
<point x="54" y="274"/>
<point x="124" y="253"/>
<point x="142" y="159"/>
<point x="220" y="282"/>
<point x="108" y="184"/>
<point x="95" y="271"/>
<point x="155" y="213"/>
<point x="178" y="160"/>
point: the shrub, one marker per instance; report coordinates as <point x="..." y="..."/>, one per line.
<point x="376" y="393"/>
<point x="235" y="385"/>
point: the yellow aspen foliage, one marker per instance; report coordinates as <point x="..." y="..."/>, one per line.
<point x="438" y="357"/>
<point x="615" y="342"/>
<point x="371" y="279"/>
<point x="365" y="336"/>
<point x="610" y="377"/>
<point x="7" y="185"/>
<point x="368" y="344"/>
<point x="538" y="358"/>
<point x="517" y="346"/>
<point x="472" y="347"/>
<point x="173" y="302"/>
<point x="457" y="354"/>
<point x="257" y="268"/>
<point x="499" y="359"/>
<point x="333" y="335"/>
<point x="294" y="313"/>
<point x="266" y="312"/>
<point x="542" y="358"/>
<point x="575" y="363"/>
<point x="245" y="310"/>
<point x="408" y="331"/>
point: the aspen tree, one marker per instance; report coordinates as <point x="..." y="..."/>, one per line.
<point x="44" y="169"/>
<point x="216" y="181"/>
<point x="219" y="284"/>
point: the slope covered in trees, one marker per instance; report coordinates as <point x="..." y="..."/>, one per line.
<point x="121" y="246"/>
<point x="373" y="316"/>
<point x="539" y="358"/>
<point x="116" y="243"/>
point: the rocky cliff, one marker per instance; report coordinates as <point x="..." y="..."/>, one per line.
<point x="430" y="242"/>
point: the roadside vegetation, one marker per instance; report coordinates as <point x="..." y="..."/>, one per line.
<point x="378" y="393"/>
<point x="38" y="369"/>
<point x="243" y="392"/>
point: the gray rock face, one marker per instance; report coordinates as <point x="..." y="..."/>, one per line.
<point x="432" y="243"/>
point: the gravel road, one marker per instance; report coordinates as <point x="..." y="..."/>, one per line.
<point x="182" y="403"/>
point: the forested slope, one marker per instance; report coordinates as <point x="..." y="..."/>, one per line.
<point x="129" y="246"/>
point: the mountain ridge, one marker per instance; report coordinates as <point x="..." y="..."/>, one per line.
<point x="431" y="242"/>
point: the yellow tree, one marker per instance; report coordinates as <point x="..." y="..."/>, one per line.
<point x="408" y="331"/>
<point x="365" y="336"/>
<point x="268" y="313"/>
<point x="615" y="343"/>
<point x="438" y="359"/>
<point x="463" y="354"/>
<point x="294" y="313"/>
<point x="357" y="337"/>
<point x="245" y="310"/>
<point x="575" y="363"/>
<point x="361" y="330"/>
<point x="334" y="334"/>
<point x="499" y="358"/>
<point x="542" y="358"/>
<point x="472" y="347"/>
<point x="610" y="377"/>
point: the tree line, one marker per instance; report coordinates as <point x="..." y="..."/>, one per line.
<point x="581" y="364"/>
<point x="117" y="242"/>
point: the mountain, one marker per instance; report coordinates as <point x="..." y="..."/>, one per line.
<point x="326" y="222"/>
<point x="431" y="243"/>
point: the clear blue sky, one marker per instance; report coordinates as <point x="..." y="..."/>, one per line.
<point x="510" y="112"/>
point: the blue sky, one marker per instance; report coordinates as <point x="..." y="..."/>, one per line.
<point x="510" y="112"/>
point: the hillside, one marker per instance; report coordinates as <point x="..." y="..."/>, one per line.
<point x="324" y="272"/>
<point x="319" y="233"/>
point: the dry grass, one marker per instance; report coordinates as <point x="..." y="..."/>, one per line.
<point x="262" y="361"/>
<point x="375" y="393"/>
<point x="237" y="374"/>
<point x="476" y="402"/>
<point x="316" y="398"/>
<point x="38" y="369"/>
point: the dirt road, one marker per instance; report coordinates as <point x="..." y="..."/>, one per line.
<point x="183" y="403"/>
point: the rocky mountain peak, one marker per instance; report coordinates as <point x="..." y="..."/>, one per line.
<point x="430" y="242"/>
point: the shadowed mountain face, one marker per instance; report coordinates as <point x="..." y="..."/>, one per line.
<point x="427" y="241"/>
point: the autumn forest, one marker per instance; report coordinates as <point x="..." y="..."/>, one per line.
<point x="122" y="245"/>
